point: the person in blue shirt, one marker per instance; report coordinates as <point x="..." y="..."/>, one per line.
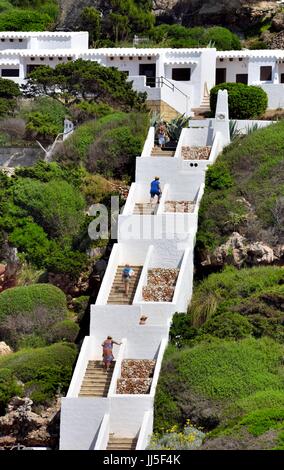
<point x="155" y="189"/>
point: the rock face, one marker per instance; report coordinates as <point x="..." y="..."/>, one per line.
<point x="239" y="251"/>
<point x="22" y="426"/>
<point x="236" y="14"/>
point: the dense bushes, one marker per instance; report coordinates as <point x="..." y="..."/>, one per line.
<point x="55" y="205"/>
<point x="27" y="15"/>
<point x="109" y="145"/>
<point x="30" y="309"/>
<point x="179" y="36"/>
<point x="204" y="381"/>
<point x="249" y="173"/>
<point x="9" y="387"/>
<point x="245" y="101"/>
<point x="44" y="371"/>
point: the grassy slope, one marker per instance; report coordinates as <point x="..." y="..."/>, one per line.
<point x="251" y="168"/>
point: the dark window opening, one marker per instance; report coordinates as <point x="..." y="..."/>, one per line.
<point x="111" y="58"/>
<point x="10" y="73"/>
<point x="220" y="76"/>
<point x="266" y="73"/>
<point x="11" y="40"/>
<point x="130" y="58"/>
<point x="240" y="59"/>
<point x="69" y="58"/>
<point x="20" y="40"/>
<point x="242" y="78"/>
<point x="60" y="58"/>
<point x="41" y="58"/>
<point x="150" y="71"/>
<point x="50" y="58"/>
<point x="121" y="58"/>
<point x="282" y="78"/>
<point x="2" y="40"/>
<point x="181" y="75"/>
<point x="31" y="67"/>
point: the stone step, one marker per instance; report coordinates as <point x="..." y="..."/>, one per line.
<point x="121" y="443"/>
<point x="116" y="295"/>
<point x="96" y="381"/>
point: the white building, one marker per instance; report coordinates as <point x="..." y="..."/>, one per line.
<point x="181" y="78"/>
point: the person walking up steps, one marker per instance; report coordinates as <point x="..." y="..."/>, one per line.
<point x="155" y="189"/>
<point x="126" y="275"/>
<point x="107" y="346"/>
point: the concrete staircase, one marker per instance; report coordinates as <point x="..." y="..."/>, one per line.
<point x="203" y="108"/>
<point x="121" y="443"/>
<point x="96" y="381"/>
<point x="158" y="152"/>
<point x="145" y="208"/>
<point x="117" y="294"/>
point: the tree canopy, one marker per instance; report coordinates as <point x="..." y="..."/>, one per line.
<point x="84" y="79"/>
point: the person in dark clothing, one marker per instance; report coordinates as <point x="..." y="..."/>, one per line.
<point x="155" y="189"/>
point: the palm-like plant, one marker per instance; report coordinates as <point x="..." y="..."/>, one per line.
<point x="175" y="126"/>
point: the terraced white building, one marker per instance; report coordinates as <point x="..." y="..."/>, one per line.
<point x="176" y="80"/>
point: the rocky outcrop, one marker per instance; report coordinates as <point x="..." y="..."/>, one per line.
<point x="236" y="14"/>
<point x="22" y="426"/>
<point x="238" y="251"/>
<point x="4" y="349"/>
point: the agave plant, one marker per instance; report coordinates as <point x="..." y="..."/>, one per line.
<point x="234" y="131"/>
<point x="175" y="126"/>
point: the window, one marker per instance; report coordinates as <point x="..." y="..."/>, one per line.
<point x="181" y="75"/>
<point x="2" y="40"/>
<point x="10" y="73"/>
<point x="242" y="78"/>
<point x="31" y="67"/>
<point x="282" y="78"/>
<point x="266" y="73"/>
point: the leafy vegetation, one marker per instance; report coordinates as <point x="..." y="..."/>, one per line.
<point x="245" y="101"/>
<point x="180" y="36"/>
<point x="43" y="371"/>
<point x="213" y="375"/>
<point x="28" y="15"/>
<point x="31" y="309"/>
<point x="244" y="191"/>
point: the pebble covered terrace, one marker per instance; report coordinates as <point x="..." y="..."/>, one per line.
<point x="195" y="153"/>
<point x="179" y="206"/>
<point x="136" y="376"/>
<point x="160" y="285"/>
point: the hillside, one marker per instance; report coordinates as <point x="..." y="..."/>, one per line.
<point x="241" y="217"/>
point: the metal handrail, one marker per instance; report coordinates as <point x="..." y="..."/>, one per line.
<point x="171" y="85"/>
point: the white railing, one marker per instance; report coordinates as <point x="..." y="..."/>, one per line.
<point x="216" y="147"/>
<point x="130" y="202"/>
<point x="158" y="365"/>
<point x="164" y="197"/>
<point x="117" y="368"/>
<point x="109" y="276"/>
<point x="103" y="436"/>
<point x="198" y="199"/>
<point x="182" y="276"/>
<point x="81" y="365"/>
<point x="149" y="143"/>
<point x="143" y="277"/>
<point x="145" y="431"/>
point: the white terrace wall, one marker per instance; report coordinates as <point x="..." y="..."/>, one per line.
<point x="85" y="422"/>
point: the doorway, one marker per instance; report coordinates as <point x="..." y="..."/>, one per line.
<point x="220" y="75"/>
<point x="149" y="70"/>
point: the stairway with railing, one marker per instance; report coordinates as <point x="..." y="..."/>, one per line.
<point x="115" y="411"/>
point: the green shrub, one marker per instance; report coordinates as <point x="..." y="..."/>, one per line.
<point x="218" y="176"/>
<point x="30" y="309"/>
<point x="114" y="154"/>
<point x="255" y="165"/>
<point x="214" y="375"/>
<point x="55" y="205"/>
<point x="24" y="20"/>
<point x="245" y="101"/>
<point x="9" y="388"/>
<point x="86" y="110"/>
<point x="189" y="438"/>
<point x="64" y="330"/>
<point x="228" y="326"/>
<point x="44" y="371"/>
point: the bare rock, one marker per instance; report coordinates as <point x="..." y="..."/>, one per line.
<point x="238" y="250"/>
<point x="4" y="349"/>
<point x="23" y="426"/>
<point x="278" y="22"/>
